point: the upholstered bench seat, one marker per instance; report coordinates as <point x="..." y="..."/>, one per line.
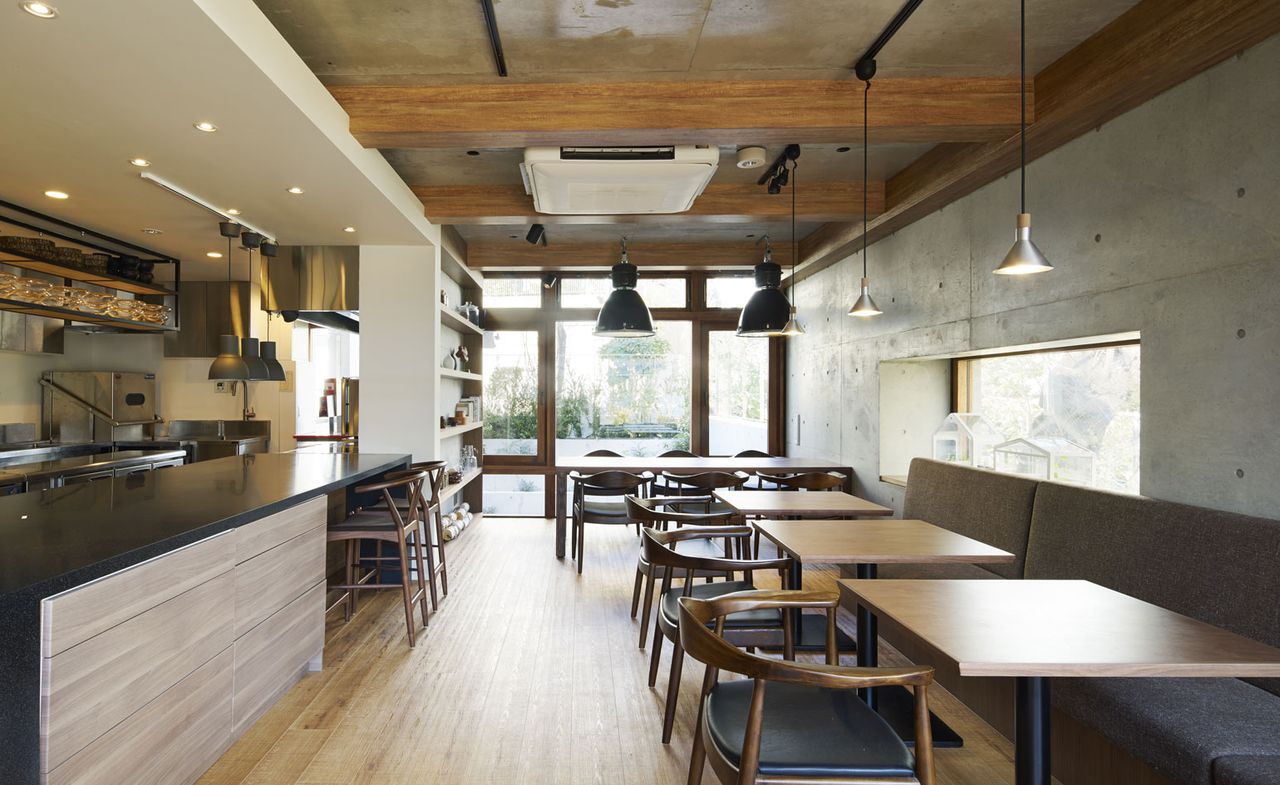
<point x="1178" y="727"/>
<point x="1247" y="770"/>
<point x="807" y="732"/>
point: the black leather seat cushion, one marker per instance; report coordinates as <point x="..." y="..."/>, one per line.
<point x="764" y="618"/>
<point x="595" y="508"/>
<point x="702" y="549"/>
<point x="807" y="732"/>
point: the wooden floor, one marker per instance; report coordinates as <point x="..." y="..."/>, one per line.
<point x="527" y="674"/>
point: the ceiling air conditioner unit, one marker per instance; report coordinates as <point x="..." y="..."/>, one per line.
<point x="617" y="180"/>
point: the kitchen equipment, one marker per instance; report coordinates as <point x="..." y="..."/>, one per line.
<point x="350" y="389"/>
<point x="98" y="406"/>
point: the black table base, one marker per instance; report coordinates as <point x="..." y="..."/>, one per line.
<point x="1031" y="731"/>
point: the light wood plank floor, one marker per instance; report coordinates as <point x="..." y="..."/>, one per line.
<point x="527" y="674"/>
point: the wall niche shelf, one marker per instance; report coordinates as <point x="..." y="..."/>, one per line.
<point x="458" y="430"/>
<point x="468" y="376"/>
<point x="451" y="318"/>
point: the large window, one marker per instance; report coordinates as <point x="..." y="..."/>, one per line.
<point x="511" y="393"/>
<point x="657" y="292"/>
<point x="729" y="291"/>
<point x="629" y="395"/>
<point x="512" y="293"/>
<point x="1070" y="416"/>
<point x="737" y="394"/>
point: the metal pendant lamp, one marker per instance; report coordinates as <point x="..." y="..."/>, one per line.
<point x="624" y="314"/>
<point x="1024" y="258"/>
<point x="229" y="365"/>
<point x="249" y="346"/>
<point x="767" y="311"/>
<point x="267" y="350"/>
<point x="793" y="326"/>
<point x="865" y="306"/>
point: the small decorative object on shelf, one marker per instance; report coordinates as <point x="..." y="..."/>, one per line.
<point x="443" y="422"/>
<point x="454" y="474"/>
<point x="463" y="357"/>
<point x="450" y="362"/>
<point x="460" y="416"/>
<point x="469" y="460"/>
<point x="444" y="298"/>
<point x="452" y="421"/>
<point x="457" y="520"/>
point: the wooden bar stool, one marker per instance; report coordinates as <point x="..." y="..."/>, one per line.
<point x="436" y="565"/>
<point x="403" y="529"/>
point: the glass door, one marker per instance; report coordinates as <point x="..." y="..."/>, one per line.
<point x="515" y="445"/>
<point x="735" y="392"/>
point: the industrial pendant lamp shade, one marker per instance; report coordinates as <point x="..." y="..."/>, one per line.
<point x="229" y="365"/>
<point x="275" y="371"/>
<point x="865" y="306"/>
<point x="1024" y="258"/>
<point x="249" y="353"/>
<point x="767" y="311"/>
<point x="624" y="314"/>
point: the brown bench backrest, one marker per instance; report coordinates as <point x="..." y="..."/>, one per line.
<point x="989" y="507"/>
<point x="1218" y="567"/>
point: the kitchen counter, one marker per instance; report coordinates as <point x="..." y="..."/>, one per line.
<point x="60" y="539"/>
<point x="83" y="464"/>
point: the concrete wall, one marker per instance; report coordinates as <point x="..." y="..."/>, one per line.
<point x="1163" y="221"/>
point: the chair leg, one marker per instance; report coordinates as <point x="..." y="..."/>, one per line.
<point x="426" y="571"/>
<point x="349" y="574"/>
<point x="355" y="571"/>
<point x="439" y="544"/>
<point x="656" y="657"/>
<point x="406" y="585"/>
<point x="697" y="757"/>
<point x="648" y="609"/>
<point x="673" y="692"/>
<point x="635" y="591"/>
<point x="582" y="532"/>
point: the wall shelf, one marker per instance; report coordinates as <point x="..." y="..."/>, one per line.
<point x="106" y="280"/>
<point x="53" y="312"/>
<point x="450" y="318"/>
<point x="458" y="430"/>
<point x="468" y="376"/>
<point x="449" y="489"/>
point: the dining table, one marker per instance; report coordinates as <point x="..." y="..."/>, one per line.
<point x="678" y="465"/>
<point x="867" y="544"/>
<point x="801" y="504"/>
<point x="1036" y="630"/>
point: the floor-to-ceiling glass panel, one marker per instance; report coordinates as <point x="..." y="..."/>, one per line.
<point x="629" y="395"/>
<point x="514" y="494"/>
<point x="737" y="393"/>
<point x="511" y="393"/>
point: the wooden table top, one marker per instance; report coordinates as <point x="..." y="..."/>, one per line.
<point x="811" y="503"/>
<point x="877" y="542"/>
<point x="1059" y="628"/>
<point x="695" y="465"/>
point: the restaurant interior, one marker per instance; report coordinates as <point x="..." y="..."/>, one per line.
<point x="639" y="391"/>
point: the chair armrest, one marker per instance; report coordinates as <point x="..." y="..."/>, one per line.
<point x="839" y="677"/>
<point x="703" y="533"/>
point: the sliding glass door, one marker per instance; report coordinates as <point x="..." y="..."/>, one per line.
<point x="737" y="393"/>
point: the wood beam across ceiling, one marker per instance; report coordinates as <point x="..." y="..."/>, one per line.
<point x="1152" y="47"/>
<point x="928" y="110"/>
<point x="727" y="203"/>
<point x="518" y="255"/>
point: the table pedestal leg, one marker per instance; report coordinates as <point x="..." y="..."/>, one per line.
<point x="1031" y="731"/>
<point x="868" y="656"/>
<point x="562" y="488"/>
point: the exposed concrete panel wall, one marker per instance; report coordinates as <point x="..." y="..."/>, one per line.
<point x="1164" y="221"/>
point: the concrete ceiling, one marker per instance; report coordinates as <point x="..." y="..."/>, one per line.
<point x="106" y="82"/>
<point x="400" y="41"/>
<point x="562" y="234"/>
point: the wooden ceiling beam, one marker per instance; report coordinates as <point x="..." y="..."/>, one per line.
<point x="517" y="255"/>
<point x="1152" y="47"/>
<point x="663" y="113"/>
<point x="727" y="203"/>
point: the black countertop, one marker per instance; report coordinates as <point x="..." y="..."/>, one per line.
<point x="111" y="459"/>
<point x="82" y="532"/>
<point x="54" y="540"/>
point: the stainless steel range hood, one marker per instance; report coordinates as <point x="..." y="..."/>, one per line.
<point x="314" y="283"/>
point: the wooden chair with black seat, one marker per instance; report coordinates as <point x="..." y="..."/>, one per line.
<point x="808" y="481"/>
<point x="658" y="513"/>
<point x="754" y="482"/>
<point x="660" y="487"/>
<point x="791" y="723"/>
<point x="433" y="524"/>
<point x="593" y="496"/>
<point x="766" y="628"/>
<point x="405" y="530"/>
<point x="701" y="486"/>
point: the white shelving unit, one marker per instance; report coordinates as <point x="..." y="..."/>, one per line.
<point x="461" y="284"/>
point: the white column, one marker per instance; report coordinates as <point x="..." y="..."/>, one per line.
<point x="399" y="332"/>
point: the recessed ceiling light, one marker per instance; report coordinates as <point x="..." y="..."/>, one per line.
<point x="57" y="194"/>
<point x="139" y="162"/>
<point x="295" y="190"/>
<point x="213" y="255"/>
<point x="232" y="211"/>
<point x="42" y="10"/>
<point x="842" y="149"/>
<point x="206" y="126"/>
<point x="473" y="152"/>
<point x="149" y="230"/>
<point x="349" y="229"/>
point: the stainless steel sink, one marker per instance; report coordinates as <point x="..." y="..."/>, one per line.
<point x="223" y="438"/>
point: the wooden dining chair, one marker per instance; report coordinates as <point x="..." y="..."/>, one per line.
<point x="753" y="629"/>
<point x="794" y="723"/>
<point x="659" y="513"/>
<point x="753" y="482"/>
<point x="702" y="485"/>
<point x="660" y="487"/>
<point x="808" y="481"/>
<point x="405" y="530"/>
<point x="602" y="454"/>
<point x="593" y="496"/>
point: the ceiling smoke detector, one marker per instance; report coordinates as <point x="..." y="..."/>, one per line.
<point x="751" y="157"/>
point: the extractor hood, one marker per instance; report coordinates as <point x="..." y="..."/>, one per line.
<point x="319" y="284"/>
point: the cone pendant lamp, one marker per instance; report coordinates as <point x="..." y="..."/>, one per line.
<point x="865" y="306"/>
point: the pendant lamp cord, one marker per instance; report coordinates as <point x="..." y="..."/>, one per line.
<point x="795" y="250"/>
<point x="866" y="92"/>
<point x="1022" y="92"/>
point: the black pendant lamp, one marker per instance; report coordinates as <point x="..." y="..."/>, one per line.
<point x="229" y="365"/>
<point x="249" y="346"/>
<point x="767" y="311"/>
<point x="865" y="306"/>
<point x="267" y="350"/>
<point x="624" y="314"/>
<point x="1024" y="258"/>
